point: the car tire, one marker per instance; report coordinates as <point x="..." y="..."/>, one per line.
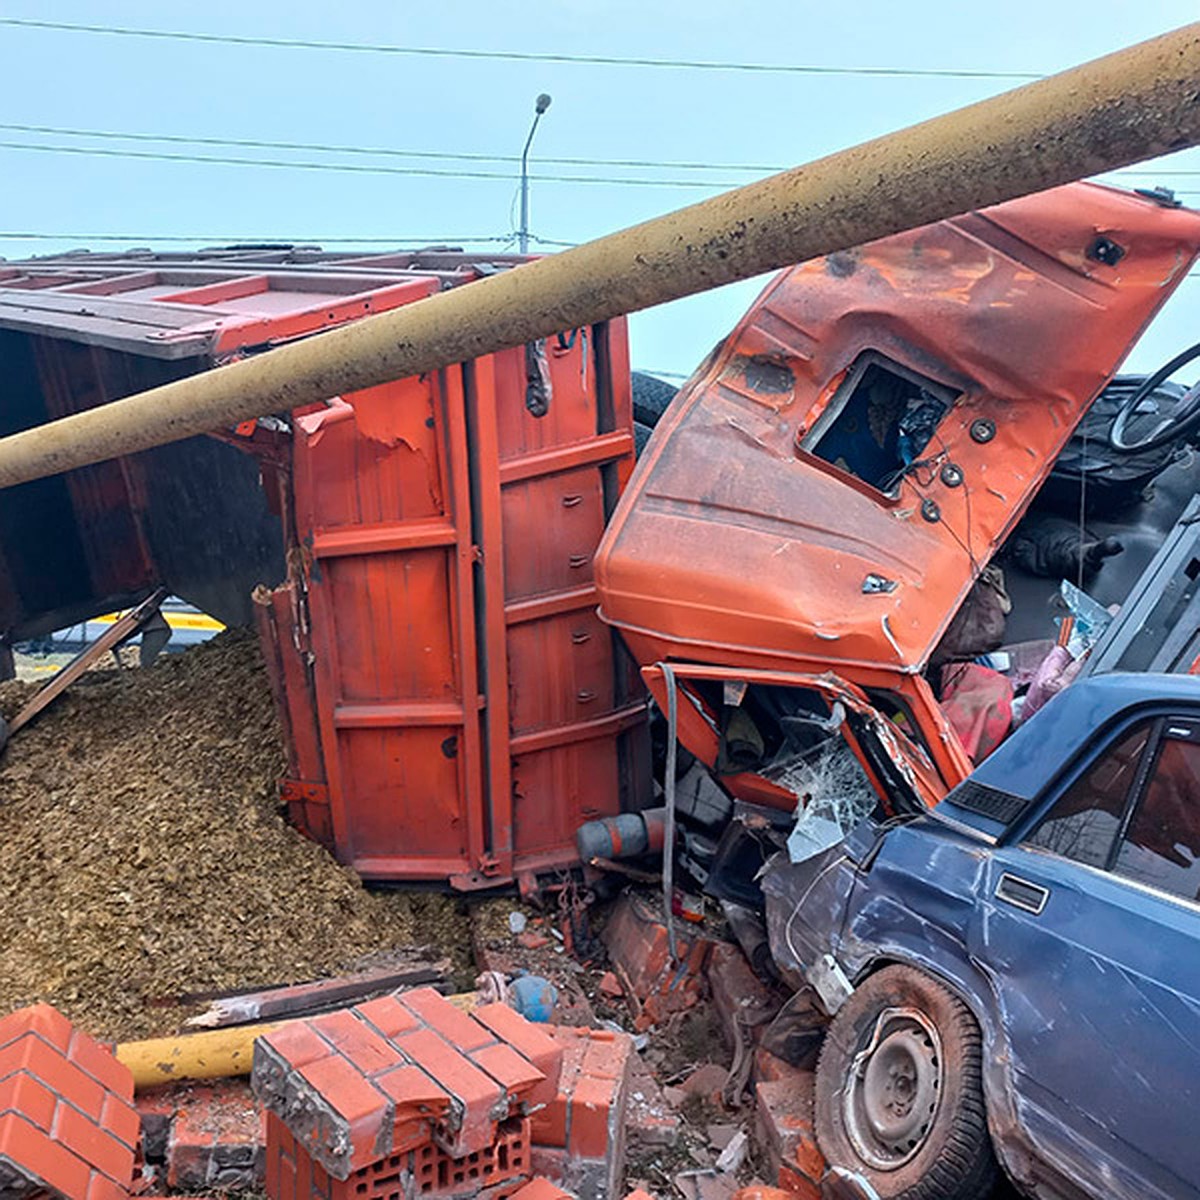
<point x="651" y="397"/>
<point x="899" y="1091"/>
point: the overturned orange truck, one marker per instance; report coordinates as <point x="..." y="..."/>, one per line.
<point x="808" y="530"/>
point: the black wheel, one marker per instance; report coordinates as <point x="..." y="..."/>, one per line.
<point x="1182" y="421"/>
<point x="899" y="1091"/>
<point x="651" y="397"/>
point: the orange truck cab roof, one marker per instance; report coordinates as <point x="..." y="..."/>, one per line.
<point x="826" y="489"/>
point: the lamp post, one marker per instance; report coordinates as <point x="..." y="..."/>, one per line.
<point x="543" y="103"/>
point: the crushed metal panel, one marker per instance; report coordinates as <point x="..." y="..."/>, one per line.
<point x="825" y="491"/>
<point x="1003" y="310"/>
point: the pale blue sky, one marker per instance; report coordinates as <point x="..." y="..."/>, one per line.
<point x="134" y="85"/>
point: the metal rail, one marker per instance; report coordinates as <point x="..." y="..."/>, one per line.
<point x="1132" y="105"/>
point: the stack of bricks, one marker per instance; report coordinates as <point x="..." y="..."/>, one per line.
<point x="68" y="1128"/>
<point x="579" y="1137"/>
<point x="406" y="1096"/>
<point x="201" y="1137"/>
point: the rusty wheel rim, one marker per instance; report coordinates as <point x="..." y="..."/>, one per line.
<point x="892" y="1096"/>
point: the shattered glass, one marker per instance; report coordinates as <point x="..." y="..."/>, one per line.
<point x="835" y="795"/>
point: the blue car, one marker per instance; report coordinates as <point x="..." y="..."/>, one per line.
<point x="1014" y="976"/>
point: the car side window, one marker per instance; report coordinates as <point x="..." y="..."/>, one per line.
<point x="1085" y="819"/>
<point x="1161" y="847"/>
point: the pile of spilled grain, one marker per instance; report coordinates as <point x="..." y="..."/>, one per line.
<point x="142" y="854"/>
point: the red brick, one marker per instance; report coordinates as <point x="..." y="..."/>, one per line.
<point x="640" y="951"/>
<point x="216" y="1139"/>
<point x="86" y="1140"/>
<point x="280" y="1146"/>
<point x="99" y="1063"/>
<point x="806" y="1155"/>
<point x="540" y="1189"/>
<point x="478" y="1095"/>
<point x="388" y="1015"/>
<point x="23" y="1094"/>
<point x="513" y="1072"/>
<point x="527" y="1039"/>
<point x="639" y="1194"/>
<point x="43" y="1019"/>
<point x="278" y="1134"/>
<point x="784" y="1126"/>
<point x="439" y="1014"/>
<point x="304" y="1174"/>
<point x="286" y="1188"/>
<point x="322" y="1184"/>
<point x="36" y="1155"/>
<point x="550" y="1163"/>
<point x="297" y="1044"/>
<point x="738" y="995"/>
<point x="274" y="1164"/>
<point x="365" y="1110"/>
<point x="44" y="1062"/>
<point x="796" y="1187"/>
<point x="121" y="1119"/>
<point x="102" y="1188"/>
<point x="606" y="1058"/>
<point x="411" y="1090"/>
<point x="550" y="1123"/>
<point x="369" y="1052"/>
<point x="591" y="1106"/>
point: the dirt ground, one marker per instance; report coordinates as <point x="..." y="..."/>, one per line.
<point x="143" y="856"/>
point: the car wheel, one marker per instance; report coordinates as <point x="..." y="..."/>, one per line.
<point x="899" y="1091"/>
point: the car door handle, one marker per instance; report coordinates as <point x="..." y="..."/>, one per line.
<point x="1020" y="893"/>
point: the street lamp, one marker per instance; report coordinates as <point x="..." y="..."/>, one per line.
<point x="543" y="103"/>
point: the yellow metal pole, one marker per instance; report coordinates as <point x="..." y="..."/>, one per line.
<point x="1132" y="105"/>
<point x="213" y="1054"/>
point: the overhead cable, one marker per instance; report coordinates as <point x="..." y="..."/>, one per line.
<point x="603" y="60"/>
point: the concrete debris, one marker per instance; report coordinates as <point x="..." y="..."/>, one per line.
<point x="731" y="1158"/>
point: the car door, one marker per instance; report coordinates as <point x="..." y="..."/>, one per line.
<point x="1090" y="928"/>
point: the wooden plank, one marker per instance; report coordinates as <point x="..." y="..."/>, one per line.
<point x="300" y="998"/>
<point x="114" y="635"/>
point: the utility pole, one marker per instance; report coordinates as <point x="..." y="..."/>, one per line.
<point x="543" y="103"/>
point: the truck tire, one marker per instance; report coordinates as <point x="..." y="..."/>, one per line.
<point x="651" y="397"/>
<point x="899" y="1091"/>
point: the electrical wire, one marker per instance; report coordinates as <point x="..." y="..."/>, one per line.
<point x="444" y="155"/>
<point x="381" y="151"/>
<point x="357" y="168"/>
<point x="518" y="55"/>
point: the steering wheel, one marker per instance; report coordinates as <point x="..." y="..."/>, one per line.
<point x="1185" y="419"/>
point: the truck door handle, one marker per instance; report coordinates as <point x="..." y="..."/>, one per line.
<point x="1020" y="893"/>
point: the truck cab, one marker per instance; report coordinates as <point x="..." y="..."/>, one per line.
<point x="827" y="496"/>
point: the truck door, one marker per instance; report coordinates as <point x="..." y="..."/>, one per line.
<point x="1090" y="926"/>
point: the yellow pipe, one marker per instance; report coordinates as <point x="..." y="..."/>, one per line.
<point x="1132" y="105"/>
<point x="212" y="1054"/>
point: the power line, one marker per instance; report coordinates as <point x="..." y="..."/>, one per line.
<point x="521" y="55"/>
<point x="381" y="151"/>
<point x="440" y="155"/>
<point x="357" y="168"/>
<point x="365" y="169"/>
